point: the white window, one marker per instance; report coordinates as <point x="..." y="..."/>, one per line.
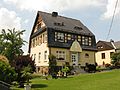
<point x="45" y="37"/>
<point x="79" y="38"/>
<point x="73" y="57"/>
<point x="60" y="55"/>
<point x="45" y="55"/>
<point x="86" y="40"/>
<point x="83" y="40"/>
<point x="69" y="36"/>
<point x="90" y="41"/>
<point x="39" y="56"/>
<point x="34" y="56"/>
<point x="59" y="37"/>
<point x="33" y="42"/>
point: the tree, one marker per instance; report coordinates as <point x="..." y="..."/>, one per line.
<point x="12" y="43"/>
<point x="4" y="59"/>
<point x="24" y="66"/>
<point x="52" y="64"/>
<point x="116" y="59"/>
<point x="1" y="44"/>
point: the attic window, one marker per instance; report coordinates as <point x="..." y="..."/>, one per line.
<point x="59" y="24"/>
<point x="100" y="46"/>
<point x="78" y="28"/>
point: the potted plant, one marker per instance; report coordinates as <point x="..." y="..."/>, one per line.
<point x="65" y="70"/>
<point x="26" y="73"/>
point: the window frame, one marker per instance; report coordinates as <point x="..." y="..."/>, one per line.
<point x="59" y="36"/>
<point x="45" y="55"/>
<point x="39" y="57"/>
<point x="103" y="55"/>
<point x="60" y="55"/>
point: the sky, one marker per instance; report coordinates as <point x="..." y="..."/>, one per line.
<point x="94" y="14"/>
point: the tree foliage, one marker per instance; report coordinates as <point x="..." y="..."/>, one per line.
<point x="1" y="44"/>
<point x="4" y="59"/>
<point x="52" y="60"/>
<point x="11" y="43"/>
<point x="116" y="58"/>
<point x="26" y="73"/>
<point x="21" y="63"/>
<point x="52" y="64"/>
<point x="65" y="69"/>
<point x="7" y="73"/>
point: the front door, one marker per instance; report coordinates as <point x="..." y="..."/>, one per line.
<point x="74" y="58"/>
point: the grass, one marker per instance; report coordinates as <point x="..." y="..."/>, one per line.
<point x="98" y="81"/>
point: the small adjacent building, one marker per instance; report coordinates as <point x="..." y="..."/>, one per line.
<point x="105" y="50"/>
<point x="117" y="46"/>
<point x="67" y="39"/>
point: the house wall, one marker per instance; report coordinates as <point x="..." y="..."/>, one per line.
<point x="107" y="59"/>
<point x="40" y="49"/>
<point x="67" y="58"/>
<point x="82" y="59"/>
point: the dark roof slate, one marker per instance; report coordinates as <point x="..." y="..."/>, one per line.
<point x="104" y="45"/>
<point x="69" y="24"/>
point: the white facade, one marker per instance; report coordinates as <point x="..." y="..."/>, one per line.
<point x="100" y="59"/>
<point x="40" y="54"/>
<point x="40" y="51"/>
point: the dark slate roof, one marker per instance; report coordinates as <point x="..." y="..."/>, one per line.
<point x="117" y="44"/>
<point x="104" y="45"/>
<point x="68" y="24"/>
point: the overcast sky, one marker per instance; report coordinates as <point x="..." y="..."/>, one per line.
<point x="95" y="14"/>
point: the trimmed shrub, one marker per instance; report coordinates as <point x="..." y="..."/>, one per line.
<point x="90" y="68"/>
<point x="7" y="73"/>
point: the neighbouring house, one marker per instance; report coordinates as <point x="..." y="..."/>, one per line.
<point x="117" y="46"/>
<point x="66" y="38"/>
<point x="105" y="50"/>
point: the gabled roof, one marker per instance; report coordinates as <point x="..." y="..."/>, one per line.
<point x="62" y="24"/>
<point x="104" y="45"/>
<point x="67" y="24"/>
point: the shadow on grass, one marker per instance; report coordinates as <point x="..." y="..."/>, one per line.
<point x="39" y="86"/>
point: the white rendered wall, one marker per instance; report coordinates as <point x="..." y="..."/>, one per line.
<point x="107" y="59"/>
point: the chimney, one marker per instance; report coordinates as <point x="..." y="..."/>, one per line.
<point x="54" y="14"/>
<point x="111" y="40"/>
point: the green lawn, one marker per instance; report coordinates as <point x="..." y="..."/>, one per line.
<point x="98" y="81"/>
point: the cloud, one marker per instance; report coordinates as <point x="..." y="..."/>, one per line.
<point x="9" y="19"/>
<point x="54" y="5"/>
<point x="110" y="9"/>
<point x="26" y="21"/>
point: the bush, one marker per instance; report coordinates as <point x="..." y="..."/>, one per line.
<point x="21" y="64"/>
<point x="90" y="68"/>
<point x="107" y="65"/>
<point x="65" y="70"/>
<point x="52" y="64"/>
<point x="7" y="73"/>
<point x="3" y="59"/>
<point x="116" y="59"/>
<point x="26" y="73"/>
